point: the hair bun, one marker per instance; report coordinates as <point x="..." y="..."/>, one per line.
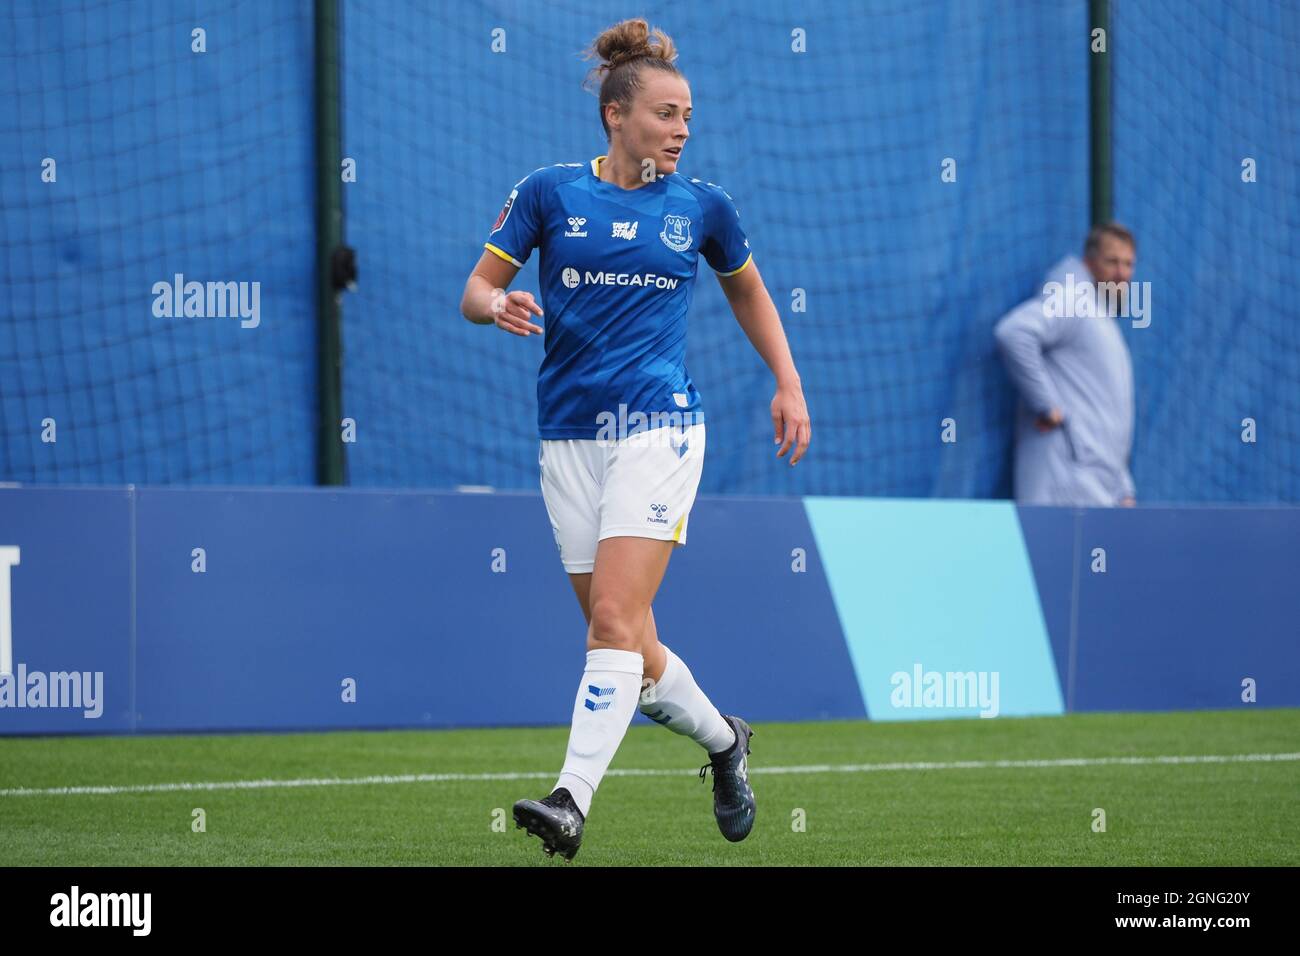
<point x="623" y="54"/>
<point x="631" y="40"/>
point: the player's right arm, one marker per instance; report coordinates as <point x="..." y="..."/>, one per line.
<point x="514" y="235"/>
<point x="486" y="302"/>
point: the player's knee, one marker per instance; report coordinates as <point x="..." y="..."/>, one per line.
<point x="614" y="624"/>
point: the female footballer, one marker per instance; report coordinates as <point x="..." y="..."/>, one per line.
<point x="621" y="424"/>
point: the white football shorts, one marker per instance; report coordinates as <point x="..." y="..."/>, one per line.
<point x="641" y="486"/>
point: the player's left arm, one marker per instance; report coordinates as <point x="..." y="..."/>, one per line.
<point x="757" y="315"/>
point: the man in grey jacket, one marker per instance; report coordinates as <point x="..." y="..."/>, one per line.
<point x="1067" y="357"/>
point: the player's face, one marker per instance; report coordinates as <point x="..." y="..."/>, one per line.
<point x="657" y="122"/>
<point x="1113" y="261"/>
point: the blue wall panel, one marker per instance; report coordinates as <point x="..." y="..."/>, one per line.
<point x="396" y="591"/>
<point x="71" y="600"/>
<point x="1049" y="539"/>
<point x="1192" y="602"/>
<point x="785" y="609"/>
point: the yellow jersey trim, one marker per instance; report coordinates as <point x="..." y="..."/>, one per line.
<point x="677" y="532"/>
<point x="504" y="255"/>
<point x="748" y="259"/>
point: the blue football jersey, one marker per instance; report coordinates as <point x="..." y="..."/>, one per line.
<point x="617" y="274"/>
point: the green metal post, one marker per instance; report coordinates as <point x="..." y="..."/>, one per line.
<point x="329" y="237"/>
<point x="1099" y="108"/>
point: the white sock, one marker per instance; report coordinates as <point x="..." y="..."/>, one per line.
<point x="677" y="702"/>
<point x="602" y="712"/>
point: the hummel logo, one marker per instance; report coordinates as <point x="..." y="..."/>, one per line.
<point x="625" y="230"/>
<point x="658" y="514"/>
<point x="575" y="225"/>
<point x="599" y="692"/>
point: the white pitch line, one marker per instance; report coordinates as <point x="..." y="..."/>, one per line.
<point x="547" y="774"/>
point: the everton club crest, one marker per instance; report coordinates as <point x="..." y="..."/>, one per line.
<point x="677" y="233"/>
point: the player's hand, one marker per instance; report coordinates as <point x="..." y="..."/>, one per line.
<point x="790" y="421"/>
<point x="512" y="311"/>
<point x="1052" y="419"/>
<point x="1128" y="502"/>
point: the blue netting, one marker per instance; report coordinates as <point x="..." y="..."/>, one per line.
<point x="1198" y="88"/>
<point x="833" y="157"/>
<point x="168" y="161"/>
<point x="174" y="162"/>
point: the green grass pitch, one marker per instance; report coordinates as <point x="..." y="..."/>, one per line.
<point x="1235" y="812"/>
